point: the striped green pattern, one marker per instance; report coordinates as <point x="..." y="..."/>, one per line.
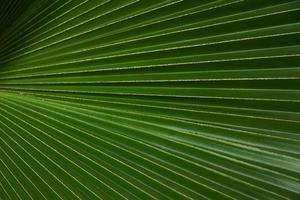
<point x="150" y="99"/>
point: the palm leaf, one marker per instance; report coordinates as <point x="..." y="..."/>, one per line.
<point x="160" y="99"/>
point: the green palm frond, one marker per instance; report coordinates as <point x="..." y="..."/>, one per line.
<point x="150" y="99"/>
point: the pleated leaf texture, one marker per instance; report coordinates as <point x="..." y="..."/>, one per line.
<point x="150" y="99"/>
